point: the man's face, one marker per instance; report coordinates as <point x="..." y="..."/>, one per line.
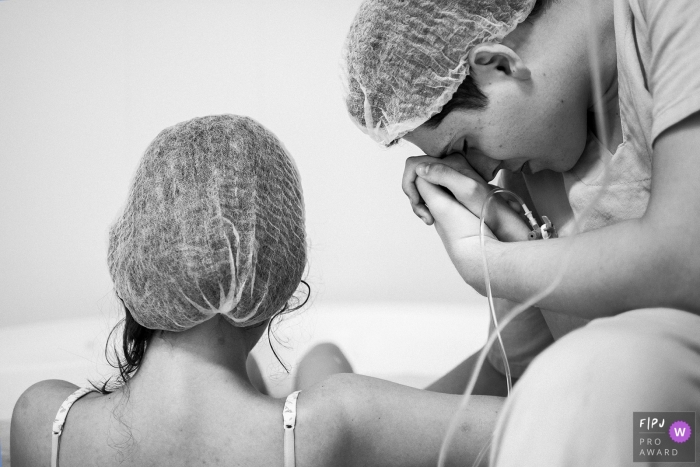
<point x="532" y="124"/>
<point x="517" y="131"/>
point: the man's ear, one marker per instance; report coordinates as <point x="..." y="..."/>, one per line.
<point x="489" y="58"/>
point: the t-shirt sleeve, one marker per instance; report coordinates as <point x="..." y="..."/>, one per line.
<point x="672" y="35"/>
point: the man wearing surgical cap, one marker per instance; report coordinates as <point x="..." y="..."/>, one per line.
<point x="573" y="103"/>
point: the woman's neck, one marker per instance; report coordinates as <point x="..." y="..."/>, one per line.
<point x="212" y="353"/>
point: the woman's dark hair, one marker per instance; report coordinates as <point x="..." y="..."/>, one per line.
<point x="135" y="339"/>
<point x="293" y="304"/>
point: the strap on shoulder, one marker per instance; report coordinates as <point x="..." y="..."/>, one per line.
<point x="61" y="420"/>
<point x="289" y="414"/>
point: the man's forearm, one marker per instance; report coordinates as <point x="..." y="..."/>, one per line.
<point x="599" y="273"/>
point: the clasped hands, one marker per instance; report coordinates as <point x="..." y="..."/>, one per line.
<point x="450" y="193"/>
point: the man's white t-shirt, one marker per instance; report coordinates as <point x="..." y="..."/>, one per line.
<point x="658" y="64"/>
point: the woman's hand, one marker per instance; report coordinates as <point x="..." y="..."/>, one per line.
<point x="468" y="188"/>
<point x="453" y="221"/>
<point x="455" y="161"/>
<point x="458" y="229"/>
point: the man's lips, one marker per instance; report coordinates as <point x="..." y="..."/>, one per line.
<point x="524" y="168"/>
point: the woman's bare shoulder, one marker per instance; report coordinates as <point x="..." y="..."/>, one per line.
<point x="323" y="428"/>
<point x="333" y="414"/>
<point x="368" y="421"/>
<point x="32" y="420"/>
<point x="337" y="394"/>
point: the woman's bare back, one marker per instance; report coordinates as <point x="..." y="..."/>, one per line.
<point x="211" y="428"/>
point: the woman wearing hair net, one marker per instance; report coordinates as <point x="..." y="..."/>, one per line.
<point x="481" y="86"/>
<point x="210" y="247"/>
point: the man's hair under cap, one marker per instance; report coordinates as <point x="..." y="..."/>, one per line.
<point x="404" y="59"/>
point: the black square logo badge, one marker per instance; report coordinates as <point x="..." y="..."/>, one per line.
<point x="663" y="437"/>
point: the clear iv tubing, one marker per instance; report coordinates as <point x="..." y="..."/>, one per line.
<point x="499" y="326"/>
<point x="492" y="309"/>
<point x="600" y="124"/>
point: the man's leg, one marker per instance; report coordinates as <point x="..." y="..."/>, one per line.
<point x="574" y="405"/>
<point x="490" y="382"/>
<point x="524" y="338"/>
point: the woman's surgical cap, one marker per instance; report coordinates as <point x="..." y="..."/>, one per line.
<point x="214" y="224"/>
<point x="404" y="59"/>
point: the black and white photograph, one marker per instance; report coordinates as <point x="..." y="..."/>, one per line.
<point x="305" y="233"/>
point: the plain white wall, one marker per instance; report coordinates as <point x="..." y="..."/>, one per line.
<point x="86" y="85"/>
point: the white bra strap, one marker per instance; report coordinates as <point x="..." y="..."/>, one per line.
<point x="290" y="419"/>
<point x="61" y="420"/>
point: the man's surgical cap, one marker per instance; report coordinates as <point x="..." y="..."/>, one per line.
<point x="214" y="224"/>
<point x="404" y="59"/>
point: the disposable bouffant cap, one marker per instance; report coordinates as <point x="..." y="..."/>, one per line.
<point x="404" y="59"/>
<point x="214" y="224"/>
